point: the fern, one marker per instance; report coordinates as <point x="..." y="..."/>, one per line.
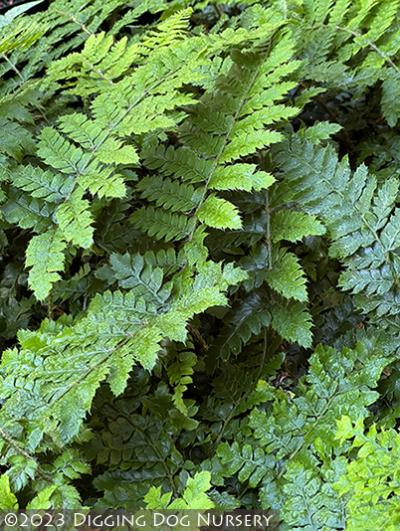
<point x="224" y="127"/>
<point x="180" y="376"/>
<point x="139" y="274"/>
<point x="295" y="436"/>
<point x="8" y="500"/>
<point x="246" y="319"/>
<point x="293" y="225"/>
<point x="193" y="497"/>
<point x="362" y="219"/>
<point x="365" y="483"/>
<point x="45" y="256"/>
<point x="199" y="258"/>
<point x="91" y="151"/>
<point x="135" y="452"/>
<point x="119" y="330"/>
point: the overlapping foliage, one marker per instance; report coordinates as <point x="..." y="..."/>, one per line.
<point x="200" y="239"/>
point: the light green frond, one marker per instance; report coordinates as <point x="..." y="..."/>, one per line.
<point x="45" y="257"/>
<point x="75" y="221"/>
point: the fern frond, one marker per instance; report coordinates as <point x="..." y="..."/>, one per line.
<point x="45" y="257"/>
<point x="225" y="126"/>
<point x="169" y="31"/>
<point x="180" y="376"/>
<point x="244" y="321"/>
<point x="286" y="276"/>
<point x="297" y="429"/>
<point x="193" y="497"/>
<point x="361" y="218"/>
<point x="97" y="66"/>
<point x="372" y="448"/>
<point x="292" y="225"/>
<point x="118" y="330"/>
<point x="15" y="139"/>
<point x="57" y="152"/>
<point x="219" y="213"/>
<point x="168" y="193"/>
<point x="292" y="321"/>
<point x="139" y="274"/>
<point x="162" y="225"/>
<point x="91" y="150"/>
<point x="74" y="219"/>
<point x="45" y="185"/>
<point x="28" y="213"/>
<point x="240" y="177"/>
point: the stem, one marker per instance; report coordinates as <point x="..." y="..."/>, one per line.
<point x="12" y="442"/>
<point x="268" y="231"/>
<point x="13" y="66"/>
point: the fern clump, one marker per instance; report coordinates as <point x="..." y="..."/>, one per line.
<point x="200" y="245"/>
